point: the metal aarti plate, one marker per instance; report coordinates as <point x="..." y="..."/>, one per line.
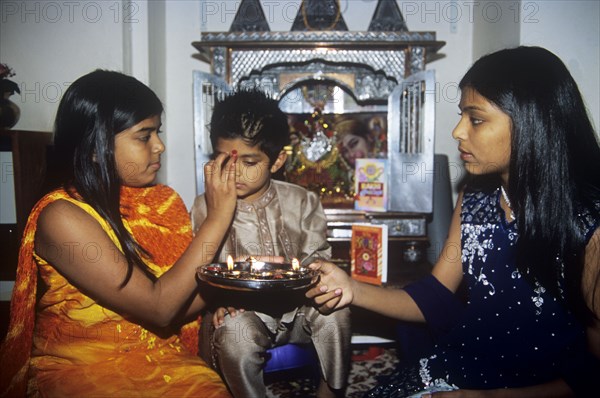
<point x="247" y="276"/>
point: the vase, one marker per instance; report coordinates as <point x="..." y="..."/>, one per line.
<point x="9" y="112"/>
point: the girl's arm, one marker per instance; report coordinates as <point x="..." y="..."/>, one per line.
<point x="65" y="230"/>
<point x="336" y="289"/>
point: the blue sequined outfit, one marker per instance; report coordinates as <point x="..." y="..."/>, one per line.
<point x="511" y="332"/>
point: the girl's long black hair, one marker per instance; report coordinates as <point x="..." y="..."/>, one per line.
<point x="554" y="161"/>
<point x="93" y="110"/>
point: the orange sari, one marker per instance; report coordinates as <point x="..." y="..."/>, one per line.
<point x="67" y="344"/>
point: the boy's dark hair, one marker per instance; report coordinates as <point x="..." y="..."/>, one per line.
<point x="255" y="118"/>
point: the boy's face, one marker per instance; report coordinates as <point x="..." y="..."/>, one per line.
<point x="252" y="167"/>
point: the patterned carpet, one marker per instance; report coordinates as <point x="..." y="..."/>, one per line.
<point x="367" y="364"/>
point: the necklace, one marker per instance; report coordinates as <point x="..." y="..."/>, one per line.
<point x="505" y="196"/>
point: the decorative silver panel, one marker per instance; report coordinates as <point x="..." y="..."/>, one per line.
<point x="403" y="226"/>
<point x="236" y="56"/>
<point x="417" y="60"/>
<point x="391" y="63"/>
<point x="207" y="88"/>
<point x="323" y="38"/>
<point x="359" y="78"/>
<point x="340" y="101"/>
<point x="397" y="227"/>
<point x="368" y="70"/>
<point x="411" y="113"/>
<point x="219" y="61"/>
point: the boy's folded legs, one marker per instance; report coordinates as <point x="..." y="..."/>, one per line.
<point x="237" y="349"/>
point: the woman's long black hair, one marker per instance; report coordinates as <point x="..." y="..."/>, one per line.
<point x="553" y="164"/>
<point x="94" y="109"/>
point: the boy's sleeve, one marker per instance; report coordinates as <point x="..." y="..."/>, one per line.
<point x="314" y="228"/>
<point x="198" y="212"/>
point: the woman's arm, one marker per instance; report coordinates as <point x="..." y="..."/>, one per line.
<point x="336" y="289"/>
<point x="65" y="231"/>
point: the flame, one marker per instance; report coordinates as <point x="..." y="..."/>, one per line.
<point x="229" y="263"/>
<point x="255" y="265"/>
<point x="295" y="264"/>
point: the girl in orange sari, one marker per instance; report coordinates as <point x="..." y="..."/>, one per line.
<point x="115" y="258"/>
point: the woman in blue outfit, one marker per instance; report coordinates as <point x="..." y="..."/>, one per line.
<point x="523" y="246"/>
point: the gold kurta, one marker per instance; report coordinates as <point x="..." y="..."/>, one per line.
<point x="287" y="220"/>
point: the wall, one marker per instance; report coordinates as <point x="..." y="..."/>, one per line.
<point x="572" y="31"/>
<point x="51" y="43"/>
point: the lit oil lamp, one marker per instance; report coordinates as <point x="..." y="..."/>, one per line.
<point x="255" y="265"/>
<point x="266" y="275"/>
<point x="295" y="272"/>
<point x="230" y="271"/>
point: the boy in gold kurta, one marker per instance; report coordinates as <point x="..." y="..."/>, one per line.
<point x="273" y="218"/>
